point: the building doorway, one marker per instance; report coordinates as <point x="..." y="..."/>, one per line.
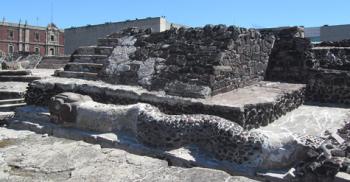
<point x="52" y="52"/>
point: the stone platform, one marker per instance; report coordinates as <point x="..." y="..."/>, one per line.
<point x="251" y="106"/>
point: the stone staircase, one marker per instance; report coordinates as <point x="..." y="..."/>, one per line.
<point x="53" y="62"/>
<point x="17" y="76"/>
<point x="9" y="101"/>
<point x="13" y="84"/>
<point x="86" y="62"/>
<point x="11" y="104"/>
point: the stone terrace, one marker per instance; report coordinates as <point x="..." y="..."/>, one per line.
<point x="250" y="106"/>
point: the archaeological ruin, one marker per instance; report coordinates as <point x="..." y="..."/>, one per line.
<point x="265" y="104"/>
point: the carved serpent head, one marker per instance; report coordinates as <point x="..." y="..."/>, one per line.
<point x="63" y="106"/>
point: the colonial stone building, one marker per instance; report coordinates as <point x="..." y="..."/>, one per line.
<point x="17" y="38"/>
<point x="88" y="35"/>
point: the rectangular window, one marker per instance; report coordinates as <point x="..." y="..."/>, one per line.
<point x="36" y="36"/>
<point x="11" y="35"/>
<point x="37" y="50"/>
<point x="11" y="50"/>
<point x="52" y="38"/>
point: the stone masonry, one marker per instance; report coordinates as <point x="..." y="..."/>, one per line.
<point x="194" y="62"/>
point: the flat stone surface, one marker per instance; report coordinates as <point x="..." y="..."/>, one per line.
<point x="42" y="72"/>
<point x="309" y="120"/>
<point x="15" y="72"/>
<point x="26" y="156"/>
<point x="258" y="93"/>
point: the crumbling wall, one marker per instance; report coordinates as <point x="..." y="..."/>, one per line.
<point x="325" y="68"/>
<point x="291" y="56"/>
<point x="194" y="62"/>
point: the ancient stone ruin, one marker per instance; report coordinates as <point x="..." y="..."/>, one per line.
<point x="213" y="97"/>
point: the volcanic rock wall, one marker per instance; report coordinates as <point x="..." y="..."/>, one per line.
<point x="291" y="56"/>
<point x="194" y="62"/>
<point x="325" y="68"/>
<point x="331" y="86"/>
<point x="329" y="82"/>
<point x="337" y="58"/>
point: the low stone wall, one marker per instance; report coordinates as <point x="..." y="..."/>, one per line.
<point x="331" y="86"/>
<point x="194" y="62"/>
<point x="262" y="114"/>
<point x="225" y="139"/>
<point x="249" y="116"/>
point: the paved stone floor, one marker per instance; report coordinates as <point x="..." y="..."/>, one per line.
<point x="261" y="92"/>
<point x="26" y="156"/>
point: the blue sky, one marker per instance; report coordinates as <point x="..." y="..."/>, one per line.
<point x="246" y="13"/>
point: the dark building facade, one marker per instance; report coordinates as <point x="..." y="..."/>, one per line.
<point x="17" y="38"/>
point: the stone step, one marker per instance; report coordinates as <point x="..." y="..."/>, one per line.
<point x="53" y="62"/>
<point x="11" y="101"/>
<point x="91" y="50"/>
<point x="108" y="42"/>
<point x="50" y="66"/>
<point x="83" y="67"/>
<point x="11" y="95"/>
<point x="18" y="78"/>
<point x="11" y="107"/>
<point x="74" y="74"/>
<point x="98" y="59"/>
<point x="15" y="72"/>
